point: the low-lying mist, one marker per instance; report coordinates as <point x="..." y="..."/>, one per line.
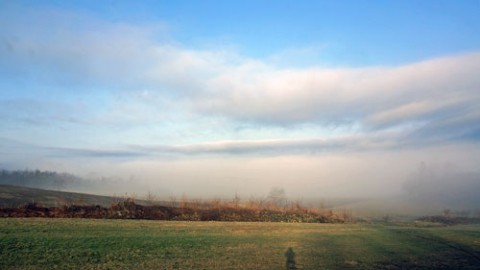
<point x="366" y="184"/>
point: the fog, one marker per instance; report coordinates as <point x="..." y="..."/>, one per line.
<point x="415" y="179"/>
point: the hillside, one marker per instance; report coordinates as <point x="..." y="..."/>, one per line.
<point x="13" y="196"/>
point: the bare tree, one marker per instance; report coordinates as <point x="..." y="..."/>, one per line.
<point x="183" y="201"/>
<point x="277" y="197"/>
<point x="150" y="198"/>
<point x="236" y="201"/>
<point x="173" y="201"/>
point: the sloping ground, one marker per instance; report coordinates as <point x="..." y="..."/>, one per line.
<point x="446" y="220"/>
<point x="13" y="196"/>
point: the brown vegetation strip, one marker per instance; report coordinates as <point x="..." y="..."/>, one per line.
<point x="128" y="209"/>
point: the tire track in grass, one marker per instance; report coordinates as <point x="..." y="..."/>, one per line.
<point x="457" y="246"/>
<point x="456" y="254"/>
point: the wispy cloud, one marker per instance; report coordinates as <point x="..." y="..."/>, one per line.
<point x="63" y="152"/>
<point x="311" y="146"/>
<point x="374" y="96"/>
<point x="275" y="147"/>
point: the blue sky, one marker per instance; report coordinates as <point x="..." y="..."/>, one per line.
<point x="220" y="93"/>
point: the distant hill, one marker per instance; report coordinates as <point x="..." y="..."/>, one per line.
<point x="13" y="196"/>
<point x="51" y="180"/>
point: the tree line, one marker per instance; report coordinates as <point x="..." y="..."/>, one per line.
<point x="38" y="179"/>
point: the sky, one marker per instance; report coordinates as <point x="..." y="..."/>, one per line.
<point x="323" y="98"/>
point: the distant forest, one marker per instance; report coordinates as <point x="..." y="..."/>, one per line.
<point x="68" y="182"/>
<point x="39" y="179"/>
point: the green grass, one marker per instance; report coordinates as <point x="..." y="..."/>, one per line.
<point x="139" y="244"/>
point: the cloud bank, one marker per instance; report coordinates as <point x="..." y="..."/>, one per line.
<point x="428" y="102"/>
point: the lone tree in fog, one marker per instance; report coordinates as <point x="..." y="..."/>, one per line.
<point x="150" y="198"/>
<point x="418" y="180"/>
<point x="277" y="197"/>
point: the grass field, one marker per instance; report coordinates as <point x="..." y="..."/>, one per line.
<point x="139" y="244"/>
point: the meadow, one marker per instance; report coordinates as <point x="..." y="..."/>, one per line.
<point x="36" y="243"/>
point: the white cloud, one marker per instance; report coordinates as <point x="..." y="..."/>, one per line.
<point x="331" y="95"/>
